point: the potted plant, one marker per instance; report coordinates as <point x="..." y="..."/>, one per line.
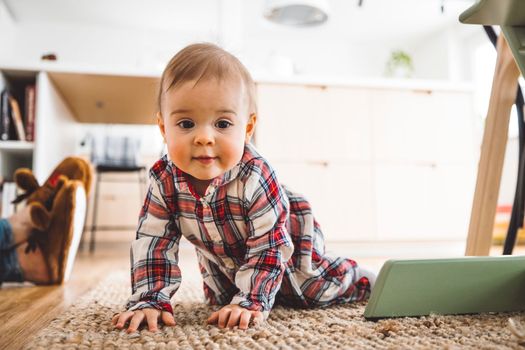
<point x="399" y="65"/>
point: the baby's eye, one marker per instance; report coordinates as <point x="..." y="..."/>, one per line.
<point x="223" y="124"/>
<point x="186" y="124"/>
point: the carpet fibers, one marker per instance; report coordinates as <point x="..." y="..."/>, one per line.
<point x="87" y="325"/>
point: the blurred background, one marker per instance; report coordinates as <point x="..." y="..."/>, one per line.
<point x="374" y="109"/>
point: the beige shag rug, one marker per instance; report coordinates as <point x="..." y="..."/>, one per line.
<point x="87" y="325"/>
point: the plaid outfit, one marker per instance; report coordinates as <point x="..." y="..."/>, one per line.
<point x="257" y="242"/>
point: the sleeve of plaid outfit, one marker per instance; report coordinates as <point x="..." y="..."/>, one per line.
<point x="155" y="274"/>
<point x="268" y="246"/>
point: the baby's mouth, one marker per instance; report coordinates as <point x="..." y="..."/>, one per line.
<point x="205" y="159"/>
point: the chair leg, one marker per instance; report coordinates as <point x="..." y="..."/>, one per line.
<point x="502" y="98"/>
<point x="94" y="215"/>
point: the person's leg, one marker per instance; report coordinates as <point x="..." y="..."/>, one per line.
<point x="9" y="267"/>
<point x="17" y="264"/>
<point x="21" y="225"/>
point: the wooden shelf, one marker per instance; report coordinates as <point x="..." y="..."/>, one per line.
<point x="97" y="98"/>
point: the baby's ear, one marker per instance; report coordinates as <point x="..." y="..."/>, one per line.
<point x="250" y="127"/>
<point x="160" y="123"/>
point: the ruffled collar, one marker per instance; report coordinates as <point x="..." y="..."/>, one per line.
<point x="180" y="178"/>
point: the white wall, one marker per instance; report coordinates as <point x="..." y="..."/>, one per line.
<point x="96" y="46"/>
<point x="148" y="50"/>
<point x="7" y="27"/>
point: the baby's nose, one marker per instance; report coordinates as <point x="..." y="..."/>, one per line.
<point x="204" y="136"/>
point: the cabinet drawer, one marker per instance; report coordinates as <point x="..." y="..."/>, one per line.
<point x="119" y="204"/>
<point x="423" y="202"/>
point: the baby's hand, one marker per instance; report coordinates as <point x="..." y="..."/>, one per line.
<point x="149" y="315"/>
<point x="234" y="315"/>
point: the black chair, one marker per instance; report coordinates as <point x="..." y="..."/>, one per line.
<point x="119" y="156"/>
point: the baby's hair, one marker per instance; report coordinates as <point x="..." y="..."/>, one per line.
<point x="204" y="61"/>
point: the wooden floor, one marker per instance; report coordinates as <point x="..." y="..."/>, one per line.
<point x="25" y="308"/>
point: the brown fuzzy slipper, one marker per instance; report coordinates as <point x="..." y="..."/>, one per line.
<point x="63" y="227"/>
<point x="72" y="168"/>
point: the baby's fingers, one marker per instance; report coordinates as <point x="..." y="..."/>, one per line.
<point x="115" y="319"/>
<point x="120" y="320"/>
<point x="136" y="321"/>
<point x="168" y="318"/>
<point x="258" y="317"/>
<point x="224" y="316"/>
<point x="245" y="319"/>
<point x="213" y="317"/>
<point x="234" y="317"/>
<point x="152" y="317"/>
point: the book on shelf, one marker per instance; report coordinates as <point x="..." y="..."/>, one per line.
<point x="17" y="119"/>
<point x="29" y="120"/>
<point x="5" y="116"/>
<point x="17" y="114"/>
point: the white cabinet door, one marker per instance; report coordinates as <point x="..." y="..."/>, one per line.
<point x="376" y="164"/>
<point x="404" y="124"/>
<point x="423" y="202"/>
<point x="423" y="126"/>
<point x="455" y="128"/>
<point x="425" y="167"/>
<point x="298" y="122"/>
<point x="341" y="196"/>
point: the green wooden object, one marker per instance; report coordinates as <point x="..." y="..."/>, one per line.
<point x="510" y="15"/>
<point x="448" y="286"/>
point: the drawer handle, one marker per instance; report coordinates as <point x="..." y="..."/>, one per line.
<point x="322" y="163"/>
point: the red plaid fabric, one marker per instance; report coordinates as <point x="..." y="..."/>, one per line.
<point x="256" y="241"/>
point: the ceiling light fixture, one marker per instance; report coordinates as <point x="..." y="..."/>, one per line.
<point x="299" y="13"/>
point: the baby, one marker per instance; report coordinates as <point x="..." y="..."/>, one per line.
<point x="257" y="242"/>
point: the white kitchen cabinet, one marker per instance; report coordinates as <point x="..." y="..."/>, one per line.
<point x="378" y="163"/>
<point x="312" y="123"/>
<point x="340" y="195"/>
<point x="420" y="203"/>
<point x="423" y="126"/>
<point x="424" y="144"/>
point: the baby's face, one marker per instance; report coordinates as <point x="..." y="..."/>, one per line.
<point x="206" y="126"/>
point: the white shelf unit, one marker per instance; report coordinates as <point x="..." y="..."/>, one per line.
<point x="16" y="146"/>
<point x="55" y="128"/>
<point x="64" y="100"/>
<point x="13" y="153"/>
